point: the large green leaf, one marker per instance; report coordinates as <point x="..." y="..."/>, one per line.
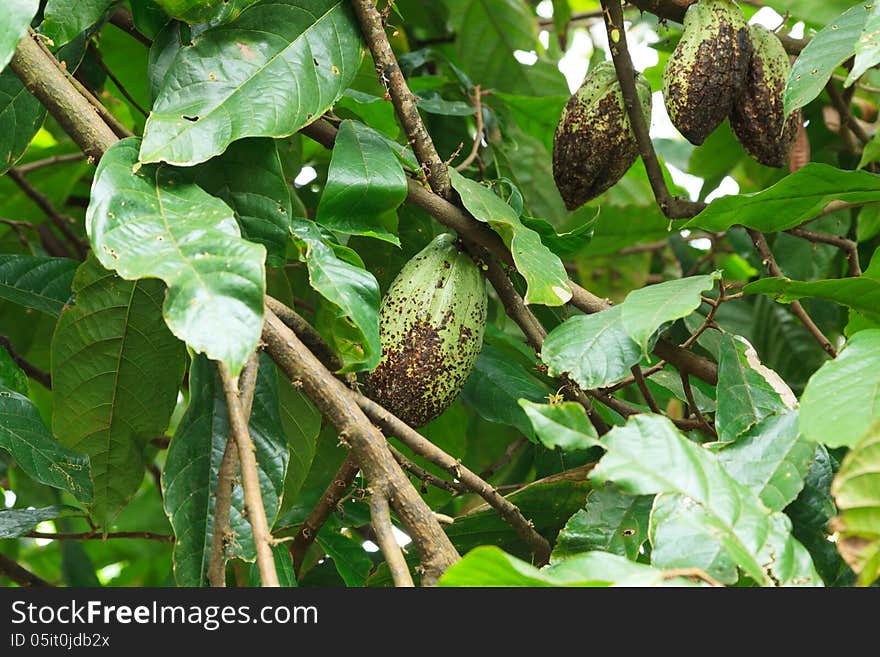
<point x="115" y="375"/>
<point x="814" y="12"/>
<point x="36" y="282"/>
<point x="612" y="522"/>
<point x="833" y="45"/>
<point x="152" y="222"/>
<point x="561" y="425"/>
<point x="249" y="178"/>
<point x="490" y="566"/>
<point x="771" y="459"/>
<point x="65" y="19"/>
<point x="702" y="517"/>
<point x="365" y="181"/>
<point x="594" y="349"/>
<point x="21" y="116"/>
<point x="747" y="390"/>
<point x="857" y="492"/>
<point x="16" y="522"/>
<point x="274" y="69"/>
<point x="790" y="202"/>
<point x="17" y="16"/>
<point x="867" y="47"/>
<point x="28" y="441"/>
<point x="302" y="424"/>
<point x="352" y="290"/>
<point x="544" y="273"/>
<point x="647" y="309"/>
<point x="190" y="475"/>
<point x="842" y="399"/>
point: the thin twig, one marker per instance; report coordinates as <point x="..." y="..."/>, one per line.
<point x="110" y="74"/>
<point x="98" y="536"/>
<point x="639" y="378"/>
<point x="253" y="499"/>
<point x="689" y="395"/>
<point x="692" y="573"/>
<point x="506" y="458"/>
<point x="19" y="574"/>
<point x="327" y="504"/>
<point x="429" y="480"/>
<point x="847" y="120"/>
<point x="850" y="249"/>
<point x="226" y="480"/>
<point x="380" y="516"/>
<point x="28" y="167"/>
<point x="39" y="375"/>
<point x="770" y="263"/>
<point x="478" y="138"/>
<point x="123" y="19"/>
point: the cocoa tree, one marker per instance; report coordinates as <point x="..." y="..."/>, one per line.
<point x="324" y="293"/>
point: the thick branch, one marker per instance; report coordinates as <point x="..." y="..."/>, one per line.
<point x="310" y="337"/>
<point x="253" y="499"/>
<point x="425" y="476"/>
<point x="373" y="29"/>
<point x="380" y="516"/>
<point x="18" y="574"/>
<point x="337" y="403"/>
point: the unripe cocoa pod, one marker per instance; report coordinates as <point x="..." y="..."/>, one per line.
<point x="708" y="68"/>
<point x="431" y="326"/>
<point x="757" y="118"/>
<point x="594" y="144"/>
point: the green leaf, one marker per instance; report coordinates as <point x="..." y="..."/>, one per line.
<point x="594" y="349"/>
<point x="204" y="11"/>
<point x="153" y="222"/>
<point x="833" y="45"/>
<point x="190" y="475"/>
<point x="867" y="47"/>
<point x="352" y="290"/>
<point x="16" y="20"/>
<point x="302" y="424"/>
<point x="21" y="116"/>
<point x="646" y="310"/>
<point x="35" y="450"/>
<point x="495" y="385"/>
<point x="64" y="20"/>
<point x="747" y="390"/>
<point x="856" y="490"/>
<point x="248" y="177"/>
<point x="351" y="560"/>
<point x="790" y="202"/>
<point x="17" y="522"/>
<point x="365" y="181"/>
<point x="36" y="282"/>
<point x="563" y="425"/>
<point x="490" y="566"/>
<point x="115" y="375"/>
<point x="619" y="226"/>
<point x="703" y="517"/>
<point x="842" y="398"/>
<point x="11" y="376"/>
<point x="547" y="282"/>
<point x="611" y="522"/>
<point x="225" y="85"/>
<point x="283" y="567"/>
<point x="771" y="459"/>
<point x="868" y="223"/>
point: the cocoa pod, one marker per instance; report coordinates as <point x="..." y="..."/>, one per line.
<point x="757" y="118"/>
<point x="708" y="68"/>
<point x="594" y="144"/>
<point x="431" y="325"/>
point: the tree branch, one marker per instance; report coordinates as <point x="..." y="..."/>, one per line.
<point x="850" y="249"/>
<point x="305" y="332"/>
<point x="27" y="168"/>
<point x="40" y="376"/>
<point x="253" y="499"/>
<point x="380" y="516"/>
<point x="770" y="263"/>
<point x="123" y="19"/>
<point x="19" y="574"/>
<point x="425" y="476"/>
<point x="689" y="395"/>
<point x="98" y="536"/>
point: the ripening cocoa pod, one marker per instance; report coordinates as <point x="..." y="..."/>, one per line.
<point x="594" y="144"/>
<point x="708" y="68"/>
<point x="757" y="118"/>
<point x="431" y="326"/>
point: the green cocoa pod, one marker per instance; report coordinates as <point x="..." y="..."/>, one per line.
<point x="594" y="144"/>
<point x="757" y="119"/>
<point x="431" y="325"/>
<point x="708" y="68"/>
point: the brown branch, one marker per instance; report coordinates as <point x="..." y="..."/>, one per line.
<point x="626" y="410"/>
<point x="78" y="118"/>
<point x="49" y="161"/>
<point x="253" y="499"/>
<point x="327" y="504"/>
<point x="478" y="138"/>
<point x="39" y="375"/>
<point x="20" y="575"/>
<point x="310" y="337"/>
<point x="425" y="448"/>
<point x="847" y="120"/>
<point x="506" y="458"/>
<point x="222" y="533"/>
<point x="692" y="573"/>
<point x="850" y="249"/>
<point x="98" y="536"/>
<point x="337" y="403"/>
<point x="672" y="207"/>
<point x="110" y="74"/>
<point x="373" y="30"/>
<point x="770" y="263"/>
<point x="689" y="395"/>
<point x="123" y="19"/>
<point x="380" y="516"/>
<point x="642" y="384"/>
<point x="429" y="480"/>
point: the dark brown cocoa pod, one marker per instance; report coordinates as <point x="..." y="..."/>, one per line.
<point x="708" y="68"/>
<point x="594" y="144"/>
<point x="758" y="118"/>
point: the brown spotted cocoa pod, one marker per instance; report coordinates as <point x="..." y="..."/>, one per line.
<point x="431" y="326"/>
<point x="708" y="68"/>
<point x="757" y="118"/>
<point x="594" y="144"/>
